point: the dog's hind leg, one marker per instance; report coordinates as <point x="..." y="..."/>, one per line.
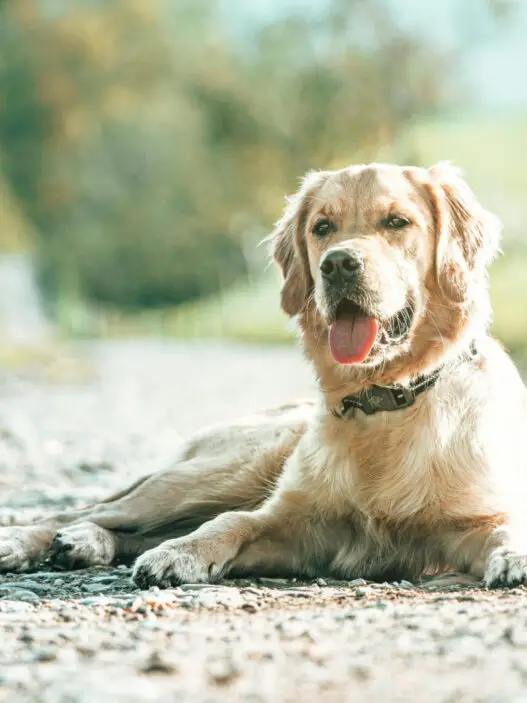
<point x="220" y="470"/>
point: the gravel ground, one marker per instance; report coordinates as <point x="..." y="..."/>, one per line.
<point x="73" y="430"/>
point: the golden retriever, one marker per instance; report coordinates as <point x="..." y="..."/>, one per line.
<point x="413" y="458"/>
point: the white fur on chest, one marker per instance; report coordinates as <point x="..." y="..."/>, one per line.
<point x="398" y="465"/>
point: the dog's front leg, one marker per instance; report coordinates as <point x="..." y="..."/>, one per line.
<point x="506" y="562"/>
<point x="497" y="556"/>
<point x="267" y="540"/>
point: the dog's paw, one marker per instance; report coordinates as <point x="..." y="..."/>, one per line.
<point x="173" y="564"/>
<point x="82" y="544"/>
<point x="20" y="549"/>
<point x="505" y="568"/>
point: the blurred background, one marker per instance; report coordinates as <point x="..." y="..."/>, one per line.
<point x="146" y="147"/>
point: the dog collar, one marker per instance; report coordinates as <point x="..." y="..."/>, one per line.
<point x="377" y="399"/>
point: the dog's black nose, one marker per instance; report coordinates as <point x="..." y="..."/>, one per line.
<point x="340" y="266"/>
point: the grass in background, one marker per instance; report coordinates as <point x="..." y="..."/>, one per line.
<point x="248" y="312"/>
<point x="509" y="298"/>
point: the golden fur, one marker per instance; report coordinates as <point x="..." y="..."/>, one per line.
<point x="439" y="485"/>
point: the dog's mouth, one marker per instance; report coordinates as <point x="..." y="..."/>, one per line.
<point x="353" y="333"/>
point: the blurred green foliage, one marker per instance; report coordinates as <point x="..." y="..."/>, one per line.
<point x="151" y="146"/>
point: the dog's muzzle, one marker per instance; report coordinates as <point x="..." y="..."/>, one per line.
<point x="341" y="269"/>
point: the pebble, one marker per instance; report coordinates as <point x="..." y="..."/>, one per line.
<point x="45" y="575"/>
<point x="361" y="667"/>
<point x="253" y="591"/>
<point x="208" y="588"/>
<point x="19" y="594"/>
<point x="12" y="606"/>
<point x="222" y="671"/>
<point x="408" y="585"/>
<point x="96" y="601"/>
<point x="26" y="585"/>
<point x="106" y="578"/>
<point x="95" y="587"/>
<point x="296" y="592"/>
<point x="272" y="583"/>
<point x="156" y="662"/>
<point x="85" y="649"/>
<point x="357" y="582"/>
<point x="45" y="654"/>
<point x="199" y="586"/>
<point x="212" y="599"/>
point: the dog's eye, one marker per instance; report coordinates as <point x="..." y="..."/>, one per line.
<point x="324" y="227"/>
<point x="394" y="222"/>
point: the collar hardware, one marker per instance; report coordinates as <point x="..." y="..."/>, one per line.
<point x="387" y="398"/>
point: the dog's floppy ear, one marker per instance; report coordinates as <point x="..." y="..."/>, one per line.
<point x="289" y="246"/>
<point x="467" y="235"/>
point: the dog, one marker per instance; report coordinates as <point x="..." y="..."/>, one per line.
<point x="411" y="460"/>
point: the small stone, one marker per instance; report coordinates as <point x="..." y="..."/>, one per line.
<point x="28" y="584"/>
<point x="86" y="650"/>
<point x="56" y="605"/>
<point x="407" y="584"/>
<point x="45" y="654"/>
<point x="222" y="671"/>
<point x="94" y="600"/>
<point x="11" y="606"/>
<point x="198" y="586"/>
<point x="445" y="596"/>
<point x="58" y="582"/>
<point x="272" y="583"/>
<point x="44" y="575"/>
<point x="253" y="591"/>
<point x="226" y="597"/>
<point x="321" y="582"/>
<point x="155" y="662"/>
<point x="296" y="592"/>
<point x="95" y="587"/>
<point x="26" y="636"/>
<point x="105" y="578"/>
<point x="361" y="668"/>
<point x="19" y="594"/>
<point x="357" y="582"/>
<point x="360" y="593"/>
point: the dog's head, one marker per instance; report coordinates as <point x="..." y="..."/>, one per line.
<point x="389" y="261"/>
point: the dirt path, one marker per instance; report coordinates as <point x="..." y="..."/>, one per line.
<point x="91" y="636"/>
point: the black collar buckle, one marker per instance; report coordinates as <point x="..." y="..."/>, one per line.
<point x="383" y="398"/>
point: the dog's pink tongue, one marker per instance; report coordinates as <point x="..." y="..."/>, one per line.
<point x="351" y="338"/>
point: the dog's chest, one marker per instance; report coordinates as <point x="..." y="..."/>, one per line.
<point x="398" y="469"/>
